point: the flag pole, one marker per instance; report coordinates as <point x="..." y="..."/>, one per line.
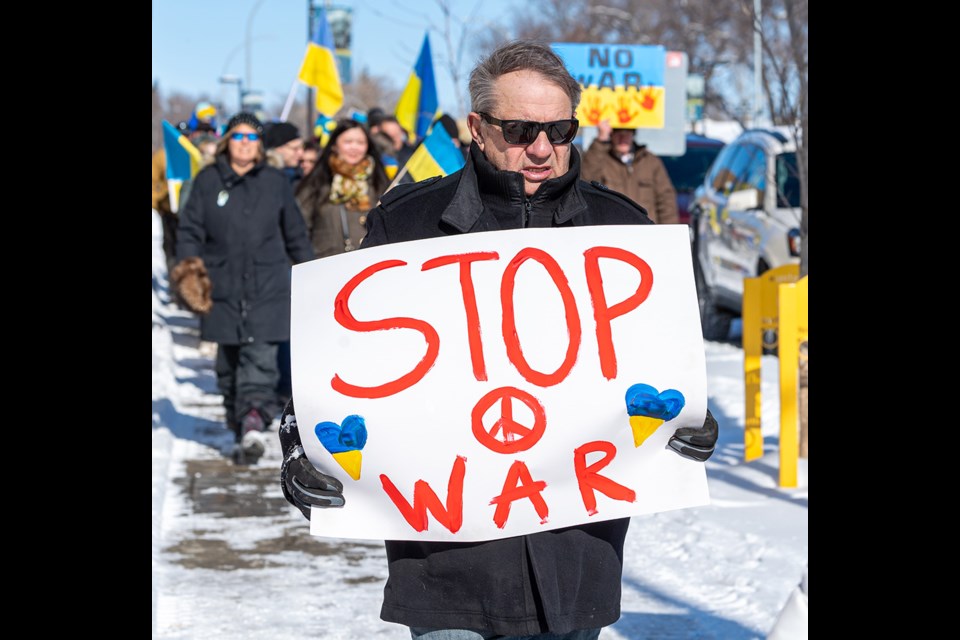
<point x="397" y="179"/>
<point x="289" y="104"/>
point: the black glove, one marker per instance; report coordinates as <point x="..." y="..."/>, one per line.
<point x="303" y="485"/>
<point x="696" y="442"/>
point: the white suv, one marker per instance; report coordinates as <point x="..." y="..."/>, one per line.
<point x="746" y="220"/>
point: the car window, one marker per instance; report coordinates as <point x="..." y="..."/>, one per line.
<point x="788" y="180"/>
<point x="715" y="179"/>
<point x="737" y="169"/>
<point x="687" y="171"/>
<point x="754" y="174"/>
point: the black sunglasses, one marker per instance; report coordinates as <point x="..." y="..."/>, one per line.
<point x="526" y="131"/>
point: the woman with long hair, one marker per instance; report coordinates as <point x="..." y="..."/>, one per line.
<point x="345" y="184"/>
<point x="239" y="234"/>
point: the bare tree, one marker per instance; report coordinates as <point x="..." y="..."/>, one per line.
<point x="368" y="91"/>
<point x="461" y="35"/>
<point x="715" y="39"/>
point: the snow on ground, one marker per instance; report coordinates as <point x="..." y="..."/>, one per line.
<point x="231" y="559"/>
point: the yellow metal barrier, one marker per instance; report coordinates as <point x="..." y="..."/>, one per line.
<point x="760" y="313"/>
<point x="792" y="331"/>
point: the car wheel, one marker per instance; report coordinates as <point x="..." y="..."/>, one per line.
<point x="714" y="321"/>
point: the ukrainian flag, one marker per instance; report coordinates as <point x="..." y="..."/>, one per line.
<point x="183" y="161"/>
<point x="323" y="127"/>
<point x="436" y="156"/>
<point x="417" y="107"/>
<point x="319" y="68"/>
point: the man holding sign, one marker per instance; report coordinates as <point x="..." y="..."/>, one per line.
<point x="616" y="160"/>
<point x="522" y="172"/>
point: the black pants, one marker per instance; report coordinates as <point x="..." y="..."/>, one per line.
<point x="284" y="386"/>
<point x="247" y="378"/>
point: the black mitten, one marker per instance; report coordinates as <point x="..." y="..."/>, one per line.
<point x="696" y="442"/>
<point x="303" y="485"/>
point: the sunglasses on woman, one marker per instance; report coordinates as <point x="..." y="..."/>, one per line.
<point x="252" y="137"/>
<point x="526" y="131"/>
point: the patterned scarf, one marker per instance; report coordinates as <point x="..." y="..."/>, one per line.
<point x="349" y="185"/>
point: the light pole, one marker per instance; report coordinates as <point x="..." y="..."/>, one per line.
<point x="249" y="77"/>
<point x="232" y="79"/>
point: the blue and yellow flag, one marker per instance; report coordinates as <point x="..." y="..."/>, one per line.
<point x="417" y="106"/>
<point x="437" y="155"/>
<point x="323" y="128"/>
<point x="319" y="67"/>
<point x="183" y="161"/>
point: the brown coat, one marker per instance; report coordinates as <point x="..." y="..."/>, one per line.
<point x="161" y="196"/>
<point x="646" y="182"/>
<point x="325" y="224"/>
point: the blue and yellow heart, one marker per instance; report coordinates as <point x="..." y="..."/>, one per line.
<point x="648" y="409"/>
<point x="344" y="442"/>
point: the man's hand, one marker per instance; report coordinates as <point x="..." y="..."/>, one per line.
<point x="303" y="485"/>
<point x="603" y="130"/>
<point x="696" y="443"/>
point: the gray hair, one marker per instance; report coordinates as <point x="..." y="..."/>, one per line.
<point x="519" y="55"/>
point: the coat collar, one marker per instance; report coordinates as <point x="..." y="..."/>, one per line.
<point x="229" y="176"/>
<point x="485" y="194"/>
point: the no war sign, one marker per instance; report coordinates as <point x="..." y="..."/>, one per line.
<point x="502" y="383"/>
<point x="620" y="83"/>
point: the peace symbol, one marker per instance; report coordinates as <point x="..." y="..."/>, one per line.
<point x="507" y="435"/>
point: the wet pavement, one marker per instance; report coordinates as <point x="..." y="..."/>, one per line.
<point x="222" y="489"/>
<point x="215" y="504"/>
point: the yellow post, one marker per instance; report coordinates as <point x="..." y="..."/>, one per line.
<point x="752" y="435"/>
<point x="759" y="314"/>
<point x="803" y="337"/>
<point x="802" y="316"/>
<point x="789" y="354"/>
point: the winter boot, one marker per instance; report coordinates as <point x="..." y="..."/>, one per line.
<point x="252" y="443"/>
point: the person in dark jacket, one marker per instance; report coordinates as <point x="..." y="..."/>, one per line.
<point x="284" y="146"/>
<point x="522" y="171"/>
<point x="242" y="228"/>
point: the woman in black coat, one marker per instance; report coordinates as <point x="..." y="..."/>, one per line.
<point x="245" y="228"/>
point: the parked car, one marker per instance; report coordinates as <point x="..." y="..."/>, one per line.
<point x="745" y="220"/>
<point x="687" y="171"/>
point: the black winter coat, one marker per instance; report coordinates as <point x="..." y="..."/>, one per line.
<point x="557" y="581"/>
<point x="249" y="232"/>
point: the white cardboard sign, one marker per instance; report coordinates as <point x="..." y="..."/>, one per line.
<point x="496" y="384"/>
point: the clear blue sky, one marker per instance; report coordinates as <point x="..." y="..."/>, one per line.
<point x="195" y="43"/>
